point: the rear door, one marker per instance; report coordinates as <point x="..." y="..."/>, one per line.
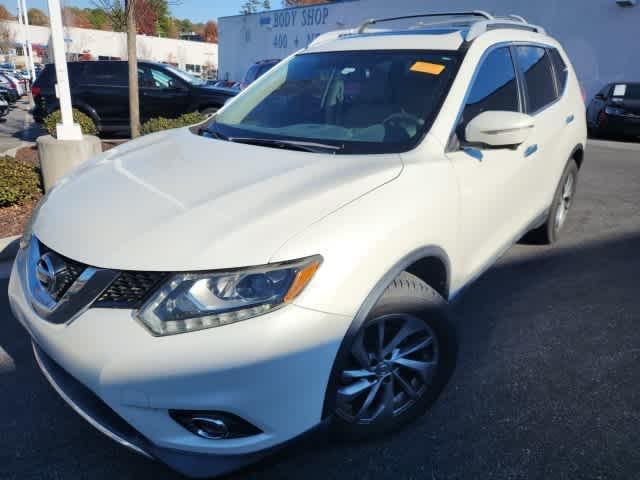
<point x="547" y="102"/>
<point x="106" y="89"/>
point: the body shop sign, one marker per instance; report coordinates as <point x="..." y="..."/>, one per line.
<point x="297" y="27"/>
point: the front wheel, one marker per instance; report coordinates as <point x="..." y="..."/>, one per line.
<point x="399" y="362"/>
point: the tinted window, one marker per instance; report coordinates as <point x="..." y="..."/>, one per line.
<point x="536" y="66"/>
<point x="494" y="88"/>
<point x="562" y="72"/>
<point x="113" y="74"/>
<point x="47" y="77"/>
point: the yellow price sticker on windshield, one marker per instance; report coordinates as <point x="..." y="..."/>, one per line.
<point x="426" y="67"/>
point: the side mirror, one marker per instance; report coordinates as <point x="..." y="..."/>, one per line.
<point x="499" y="129"/>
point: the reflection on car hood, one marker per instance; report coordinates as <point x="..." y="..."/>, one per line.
<point x="177" y="201"/>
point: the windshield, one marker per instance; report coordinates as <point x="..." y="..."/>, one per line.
<point x="630" y="91"/>
<point x="187" y="77"/>
<point x="362" y="102"/>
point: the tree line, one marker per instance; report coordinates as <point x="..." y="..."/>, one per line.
<point x="153" y="18"/>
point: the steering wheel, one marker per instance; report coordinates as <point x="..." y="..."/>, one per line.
<point x="403" y="120"/>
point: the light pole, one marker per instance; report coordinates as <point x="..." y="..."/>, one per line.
<point x="31" y="67"/>
<point x="67" y="130"/>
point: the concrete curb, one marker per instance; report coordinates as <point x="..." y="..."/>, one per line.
<point x="12" y="151"/>
<point x="9" y="248"/>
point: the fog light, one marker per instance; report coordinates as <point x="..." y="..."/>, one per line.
<point x="214" y="425"/>
<point x="211" y="428"/>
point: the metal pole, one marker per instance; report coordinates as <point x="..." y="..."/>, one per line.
<point x="32" y="68"/>
<point x="24" y="34"/>
<point x="67" y="130"/>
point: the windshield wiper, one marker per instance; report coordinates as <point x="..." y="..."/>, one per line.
<point x="299" y="145"/>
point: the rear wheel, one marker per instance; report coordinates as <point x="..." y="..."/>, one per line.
<point x="562" y="202"/>
<point x="399" y="361"/>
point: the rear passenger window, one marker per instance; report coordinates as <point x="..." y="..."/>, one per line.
<point x="494" y="88"/>
<point x="562" y="72"/>
<point x="113" y="74"/>
<point x="535" y="63"/>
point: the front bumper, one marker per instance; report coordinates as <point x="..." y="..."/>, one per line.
<point x="271" y="370"/>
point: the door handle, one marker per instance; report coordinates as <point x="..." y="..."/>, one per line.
<point x="531" y="149"/>
<point x="570" y="119"/>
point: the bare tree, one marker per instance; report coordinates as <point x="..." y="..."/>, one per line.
<point x="7" y="37"/>
<point x="116" y="11"/>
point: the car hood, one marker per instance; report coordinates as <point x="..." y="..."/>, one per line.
<point x="177" y="201"/>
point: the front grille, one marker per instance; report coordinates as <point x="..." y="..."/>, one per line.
<point x="130" y="289"/>
<point x="73" y="271"/>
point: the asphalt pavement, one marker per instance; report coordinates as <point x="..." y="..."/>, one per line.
<point x="18" y="128"/>
<point x="547" y="384"/>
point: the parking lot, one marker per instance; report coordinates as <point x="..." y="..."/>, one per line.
<point x="546" y="384"/>
<point x="18" y="127"/>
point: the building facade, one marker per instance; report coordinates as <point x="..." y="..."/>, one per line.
<point x="197" y="57"/>
<point x="600" y="36"/>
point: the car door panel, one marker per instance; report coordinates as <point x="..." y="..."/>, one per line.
<point x="493" y="182"/>
<point x="161" y="94"/>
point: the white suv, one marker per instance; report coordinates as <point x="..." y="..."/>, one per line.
<point x="204" y="295"/>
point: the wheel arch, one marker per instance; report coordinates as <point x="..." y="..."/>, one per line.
<point x="431" y="264"/>
<point x="578" y="154"/>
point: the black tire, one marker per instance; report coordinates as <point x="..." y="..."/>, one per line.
<point x="411" y="298"/>
<point x="548" y="233"/>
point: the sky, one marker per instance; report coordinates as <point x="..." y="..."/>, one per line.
<point x="194" y="10"/>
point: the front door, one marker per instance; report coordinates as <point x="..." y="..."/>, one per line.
<point x="493" y="182"/>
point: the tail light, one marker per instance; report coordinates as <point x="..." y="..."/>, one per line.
<point x="36" y="91"/>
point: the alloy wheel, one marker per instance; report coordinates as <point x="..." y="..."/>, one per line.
<point x="393" y="360"/>
<point x="565" y="201"/>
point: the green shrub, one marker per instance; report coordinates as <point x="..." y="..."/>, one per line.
<point x="87" y="125"/>
<point x="160" y="123"/>
<point x="18" y="182"/>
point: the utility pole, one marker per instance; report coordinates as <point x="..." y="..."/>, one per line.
<point x="31" y="66"/>
<point x="24" y="33"/>
<point x="132" y="60"/>
<point x="67" y="130"/>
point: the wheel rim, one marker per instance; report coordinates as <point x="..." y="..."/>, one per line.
<point x="392" y="363"/>
<point x="565" y="201"/>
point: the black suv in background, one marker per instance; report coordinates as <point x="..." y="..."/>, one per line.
<point x="615" y="110"/>
<point x="101" y="90"/>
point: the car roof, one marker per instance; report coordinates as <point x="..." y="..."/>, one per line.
<point x="458" y="30"/>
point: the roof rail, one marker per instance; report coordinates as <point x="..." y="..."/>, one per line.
<point x="478" y="22"/>
<point x="473" y="13"/>
<point x="478" y="28"/>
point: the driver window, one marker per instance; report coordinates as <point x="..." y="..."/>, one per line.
<point x="495" y="88"/>
<point x="151" y="78"/>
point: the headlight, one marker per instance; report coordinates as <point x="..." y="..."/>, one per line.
<point x="195" y="301"/>
<point x="614" y="111"/>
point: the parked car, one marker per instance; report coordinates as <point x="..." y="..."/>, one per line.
<point x="256" y="70"/>
<point x="101" y="90"/>
<point x="206" y="295"/>
<point x="9" y="94"/>
<point x="12" y="82"/>
<point x="615" y="110"/>
<point x="4" y="107"/>
<point x="224" y="84"/>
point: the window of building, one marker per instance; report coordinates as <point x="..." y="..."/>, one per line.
<point x="535" y="63"/>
